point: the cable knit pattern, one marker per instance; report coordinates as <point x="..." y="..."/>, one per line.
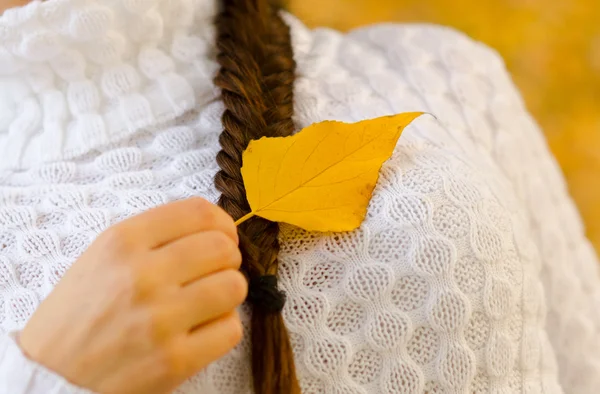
<point x="470" y="237"/>
<point x="95" y="72"/>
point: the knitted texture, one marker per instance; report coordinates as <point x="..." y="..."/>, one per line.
<point x="471" y="273"/>
<point x="94" y="72"/>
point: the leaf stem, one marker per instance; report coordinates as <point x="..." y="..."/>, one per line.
<point x="246" y="217"/>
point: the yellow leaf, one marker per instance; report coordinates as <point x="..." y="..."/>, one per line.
<point x="322" y="178"/>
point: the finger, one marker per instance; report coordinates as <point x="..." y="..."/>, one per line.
<point x="193" y="352"/>
<point x="197" y="255"/>
<point x="207" y="299"/>
<point x="167" y="223"/>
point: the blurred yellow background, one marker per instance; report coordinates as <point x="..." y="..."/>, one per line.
<point x="552" y="49"/>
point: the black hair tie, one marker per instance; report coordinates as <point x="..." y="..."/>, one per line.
<point x="264" y="295"/>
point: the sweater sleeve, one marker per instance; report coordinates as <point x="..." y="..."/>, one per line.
<point x="569" y="264"/>
<point x="19" y="375"/>
<point x="561" y="279"/>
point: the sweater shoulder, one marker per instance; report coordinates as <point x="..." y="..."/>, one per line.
<point x="439" y="39"/>
<point x="432" y="43"/>
<point x="391" y="68"/>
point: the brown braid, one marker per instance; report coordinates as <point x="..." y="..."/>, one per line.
<point x="256" y="79"/>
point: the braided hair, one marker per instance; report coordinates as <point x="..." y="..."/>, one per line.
<point x="256" y="79"/>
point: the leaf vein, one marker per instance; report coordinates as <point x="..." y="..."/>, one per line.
<point x="339" y="182"/>
<point x="312" y="210"/>
<point x="283" y="158"/>
<point x="310" y="155"/>
<point x="303" y="184"/>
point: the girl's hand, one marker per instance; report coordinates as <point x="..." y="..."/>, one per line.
<point x="149" y="304"/>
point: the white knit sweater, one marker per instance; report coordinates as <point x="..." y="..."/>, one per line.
<point x="471" y="274"/>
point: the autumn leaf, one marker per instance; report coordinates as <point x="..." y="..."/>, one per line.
<point x="322" y="178"/>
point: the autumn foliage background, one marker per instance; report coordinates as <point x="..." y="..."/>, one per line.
<point x="552" y="49"/>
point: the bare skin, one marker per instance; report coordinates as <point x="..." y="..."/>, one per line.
<point x="148" y="305"/>
<point x="6" y="4"/>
